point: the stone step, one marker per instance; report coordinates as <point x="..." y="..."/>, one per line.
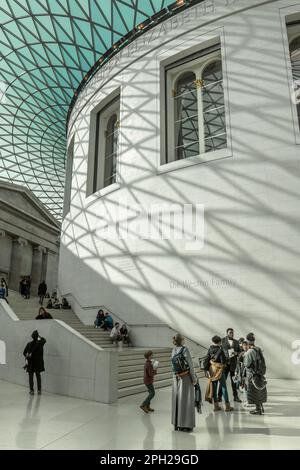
<point x="131" y="360"/>
<point x="140" y="380"/>
<point x="140" y="362"/>
<point x="124" y="375"/>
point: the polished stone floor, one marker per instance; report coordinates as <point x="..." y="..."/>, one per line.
<point x="56" y="422"/>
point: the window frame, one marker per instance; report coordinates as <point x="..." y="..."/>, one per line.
<point x="205" y="47"/>
<point x="170" y="80"/>
<point x="69" y="177"/>
<point x="288" y="15"/>
<point x="290" y="38"/>
<point x="99" y="117"/>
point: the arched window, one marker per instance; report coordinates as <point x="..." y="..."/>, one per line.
<point x="195" y="115"/>
<point x="111" y="148"/>
<point x="213" y="107"/>
<point x="186" y="116"/>
<point x="102" y="170"/>
<point x="295" y="61"/>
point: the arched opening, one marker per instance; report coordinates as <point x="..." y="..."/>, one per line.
<point x="186" y="116"/>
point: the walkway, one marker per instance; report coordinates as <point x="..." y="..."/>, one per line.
<point x="57" y="422"/>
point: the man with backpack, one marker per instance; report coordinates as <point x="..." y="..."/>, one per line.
<point x="254" y="363"/>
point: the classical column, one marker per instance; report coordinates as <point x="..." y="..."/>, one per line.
<point x="5" y="253"/>
<point x="17" y="262"/>
<point x="37" y="269"/>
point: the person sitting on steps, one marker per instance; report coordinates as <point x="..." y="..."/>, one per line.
<point x="108" y="322"/>
<point x="99" y="319"/>
<point x="43" y="315"/>
<point x="115" y="334"/>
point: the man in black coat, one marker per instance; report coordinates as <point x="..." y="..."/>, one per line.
<point x="34" y="354"/>
<point x="231" y="349"/>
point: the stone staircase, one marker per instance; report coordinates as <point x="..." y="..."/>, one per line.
<point x="131" y="370"/>
<point x="131" y="360"/>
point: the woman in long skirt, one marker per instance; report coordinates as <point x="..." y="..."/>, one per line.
<point x="256" y="383"/>
<point x="183" y="392"/>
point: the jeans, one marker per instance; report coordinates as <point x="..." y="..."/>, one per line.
<point x="227" y="371"/>
<point x="38" y="379"/>
<point x="151" y="394"/>
<point x="222" y="388"/>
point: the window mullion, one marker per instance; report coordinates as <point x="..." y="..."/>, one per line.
<point x="200" y="118"/>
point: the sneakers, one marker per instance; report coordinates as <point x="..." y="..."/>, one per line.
<point x="150" y="409"/>
<point x="31" y="392"/>
<point x="144" y="409"/>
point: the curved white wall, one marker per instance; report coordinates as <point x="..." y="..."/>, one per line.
<point x="247" y="274"/>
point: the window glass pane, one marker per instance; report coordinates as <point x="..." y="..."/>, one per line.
<point x="295" y="61"/>
<point x="106" y="148"/>
<point x="186" y="117"/>
<point x="111" y="146"/>
<point x="213" y="107"/>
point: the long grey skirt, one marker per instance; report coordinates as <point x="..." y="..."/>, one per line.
<point x="183" y="402"/>
<point x="256" y="390"/>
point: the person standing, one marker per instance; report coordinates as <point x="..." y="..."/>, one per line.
<point x="254" y="363"/>
<point x="3" y="291"/>
<point x="240" y="371"/>
<point x="27" y="284"/>
<point x="214" y="366"/>
<point x="3" y="280"/>
<point x="34" y="355"/>
<point x="149" y="373"/>
<point x="231" y="349"/>
<point x="183" y="391"/>
<point x="42" y="290"/>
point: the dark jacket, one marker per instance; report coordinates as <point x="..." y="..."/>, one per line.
<point x="46" y="316"/>
<point x="34" y="352"/>
<point x="215" y="353"/>
<point x="236" y="347"/>
<point x="149" y="373"/>
<point x="42" y="288"/>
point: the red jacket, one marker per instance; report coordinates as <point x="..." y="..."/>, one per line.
<point x="149" y="373"/>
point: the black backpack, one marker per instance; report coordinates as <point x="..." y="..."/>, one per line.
<point x="179" y="363"/>
<point x="260" y="363"/>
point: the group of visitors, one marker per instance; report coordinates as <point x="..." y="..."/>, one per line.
<point x="3" y="289"/>
<point x="242" y="360"/>
<point x="117" y="333"/>
<point x="55" y="303"/>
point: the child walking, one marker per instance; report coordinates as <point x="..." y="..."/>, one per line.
<point x="149" y="373"/>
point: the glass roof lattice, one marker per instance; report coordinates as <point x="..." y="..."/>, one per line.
<point x="46" y="49"/>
